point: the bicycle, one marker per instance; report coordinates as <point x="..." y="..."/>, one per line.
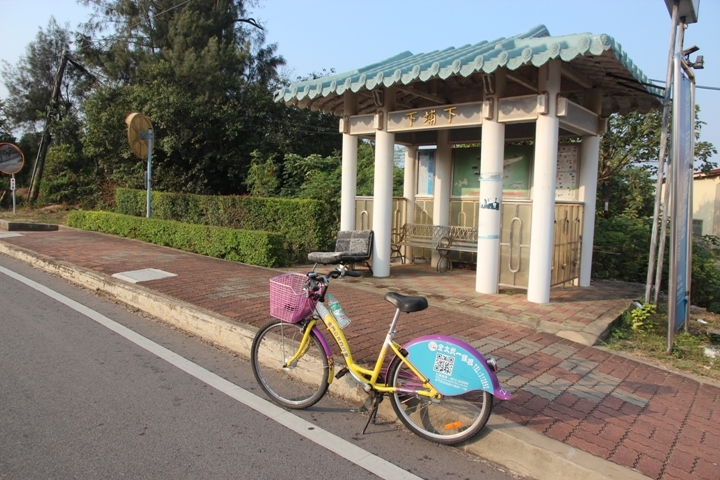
<point x="440" y="387"/>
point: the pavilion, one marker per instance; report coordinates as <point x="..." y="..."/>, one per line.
<point x="536" y="104"/>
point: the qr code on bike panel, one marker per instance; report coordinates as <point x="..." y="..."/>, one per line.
<point x="444" y="364"/>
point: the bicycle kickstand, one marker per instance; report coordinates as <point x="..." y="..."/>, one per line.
<point x="373" y="413"/>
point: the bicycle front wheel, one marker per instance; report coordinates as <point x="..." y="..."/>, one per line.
<point x="298" y="385"/>
<point x="447" y="420"/>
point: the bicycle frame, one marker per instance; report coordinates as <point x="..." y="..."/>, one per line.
<point x="367" y="377"/>
<point x="442" y="366"/>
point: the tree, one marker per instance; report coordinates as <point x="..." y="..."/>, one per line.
<point x="46" y="86"/>
<point x="628" y="159"/>
<point x="5" y="128"/>
<point x="315" y="177"/>
<point x="201" y="72"/>
<point x="30" y="82"/>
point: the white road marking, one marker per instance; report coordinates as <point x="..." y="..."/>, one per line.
<point x="372" y="463"/>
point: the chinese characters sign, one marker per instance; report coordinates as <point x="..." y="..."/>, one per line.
<point x="447" y="116"/>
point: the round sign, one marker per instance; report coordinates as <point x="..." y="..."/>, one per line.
<point x="11" y="158"/>
<point x="138" y="126"/>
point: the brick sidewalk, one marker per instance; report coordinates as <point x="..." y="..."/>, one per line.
<point x="661" y="423"/>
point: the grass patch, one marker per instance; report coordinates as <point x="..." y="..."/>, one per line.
<point x="643" y="332"/>
<point x="52" y="214"/>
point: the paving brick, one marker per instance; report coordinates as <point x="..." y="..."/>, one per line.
<point x="564" y="374"/>
<point x="585" y="406"/>
<point x="567" y="400"/>
<point x="673" y="473"/>
<point x="643" y="428"/>
<point x="649" y="466"/>
<point x="586" y="446"/>
<point x="625" y="455"/>
<point x="613" y="402"/>
<point x="545" y="391"/>
<point x="706" y="470"/>
<point x="642" y="445"/>
<point x="613" y="433"/>
<point x="626" y="396"/>
<point x="559" y="431"/>
<point x="712" y="440"/>
<point x="682" y="460"/>
<point x="604" y="443"/>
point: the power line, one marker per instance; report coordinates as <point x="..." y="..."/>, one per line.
<point x="696" y="86"/>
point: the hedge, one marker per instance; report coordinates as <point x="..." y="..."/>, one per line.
<point x="251" y="247"/>
<point x="306" y="225"/>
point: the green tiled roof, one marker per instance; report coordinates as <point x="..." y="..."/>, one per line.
<point x="534" y="47"/>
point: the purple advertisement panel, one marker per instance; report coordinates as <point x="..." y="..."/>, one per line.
<point x="452" y="366"/>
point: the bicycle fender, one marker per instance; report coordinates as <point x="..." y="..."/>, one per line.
<point x="452" y="366"/>
<point x="328" y="353"/>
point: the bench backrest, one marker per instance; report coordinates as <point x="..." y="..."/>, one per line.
<point x="356" y="242"/>
<point x="465" y="235"/>
<point x="424" y="231"/>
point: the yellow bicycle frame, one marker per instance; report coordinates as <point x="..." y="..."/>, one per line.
<point x="366" y="376"/>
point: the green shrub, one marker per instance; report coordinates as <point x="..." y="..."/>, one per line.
<point x="621" y="248"/>
<point x="705" y="283"/>
<point x="640" y="317"/>
<point x="305" y="225"/>
<point x="67" y="178"/>
<point x="252" y="247"/>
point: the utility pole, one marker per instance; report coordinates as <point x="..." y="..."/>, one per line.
<point x="37" y="172"/>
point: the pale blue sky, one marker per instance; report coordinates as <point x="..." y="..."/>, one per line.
<point x="313" y="35"/>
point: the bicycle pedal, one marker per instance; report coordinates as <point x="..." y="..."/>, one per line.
<point x="341" y="373"/>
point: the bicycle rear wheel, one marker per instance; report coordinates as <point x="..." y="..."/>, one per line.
<point x="448" y="420"/>
<point x="299" y="385"/>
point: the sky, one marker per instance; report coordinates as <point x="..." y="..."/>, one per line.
<point x="317" y="35"/>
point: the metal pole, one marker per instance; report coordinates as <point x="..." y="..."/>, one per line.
<point x="688" y="264"/>
<point x="671" y="179"/>
<point x="148" y="178"/>
<point x="661" y="157"/>
<point x="12" y="187"/>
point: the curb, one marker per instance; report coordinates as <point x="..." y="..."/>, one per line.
<point x="507" y="443"/>
<point x="32" y="227"/>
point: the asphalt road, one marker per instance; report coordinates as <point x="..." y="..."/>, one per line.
<point x="89" y="389"/>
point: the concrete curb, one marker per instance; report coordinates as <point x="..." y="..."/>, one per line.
<point x="25" y="226"/>
<point x="518" y="448"/>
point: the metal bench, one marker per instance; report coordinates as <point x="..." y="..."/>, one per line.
<point x="444" y="239"/>
<point x="416" y="235"/>
<point x="458" y="239"/>
<point x="351" y="247"/>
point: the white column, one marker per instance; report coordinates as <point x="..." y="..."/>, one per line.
<point x="349" y="167"/>
<point x="544" y="184"/>
<point x="589" y="160"/>
<point x="442" y="183"/>
<point x="410" y="182"/>
<point x="383" y="189"/>
<point x="492" y="155"/>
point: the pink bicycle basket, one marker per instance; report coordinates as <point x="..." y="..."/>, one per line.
<point x="288" y="300"/>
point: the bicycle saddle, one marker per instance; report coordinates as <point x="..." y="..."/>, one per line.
<point x="406" y="303"/>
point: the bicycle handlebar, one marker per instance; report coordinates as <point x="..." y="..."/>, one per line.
<point x="315" y="280"/>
